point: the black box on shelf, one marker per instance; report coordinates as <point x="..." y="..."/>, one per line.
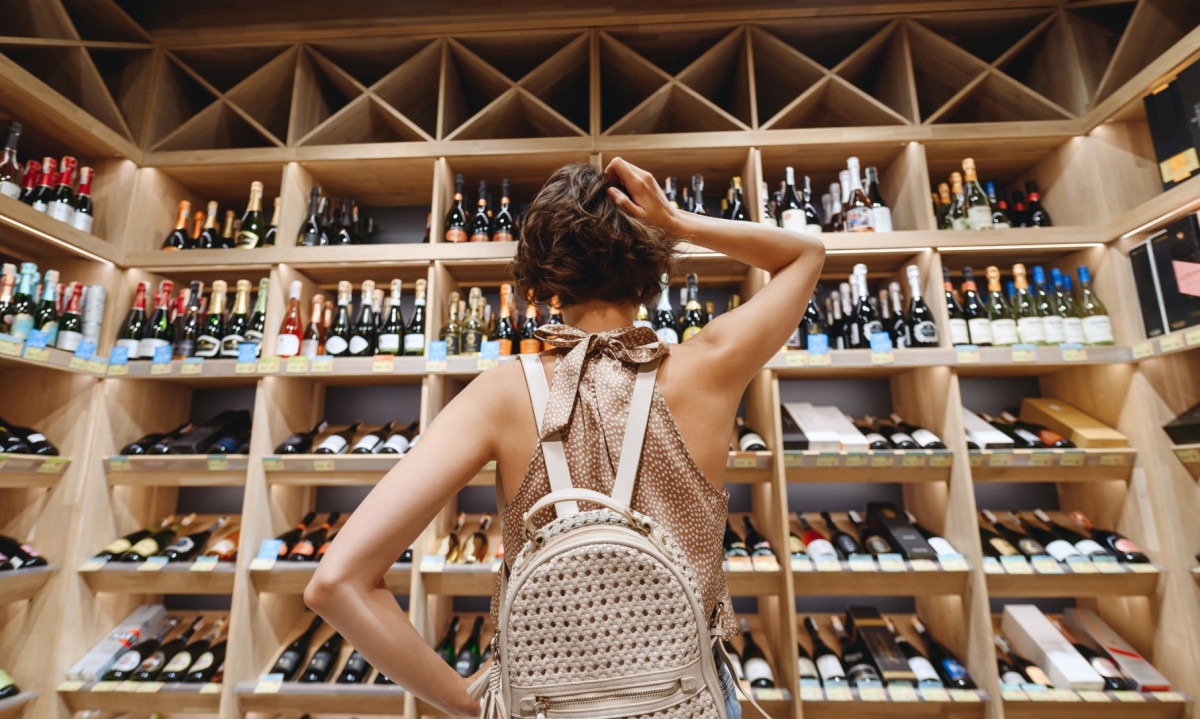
<point x="1173" y="112"/>
<point x="1141" y="260"/>
<point x="1185" y="429"/>
<point x="894" y="525"/>
<point x="866" y="626"/>
<point x="1166" y="271"/>
<point x="228" y="423"/>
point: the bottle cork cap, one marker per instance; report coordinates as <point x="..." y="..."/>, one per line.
<point x="256" y="186"/>
<point x="219" y="286"/>
<point x="368" y="286"/>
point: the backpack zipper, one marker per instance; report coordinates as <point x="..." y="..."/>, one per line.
<point x="544" y="703"/>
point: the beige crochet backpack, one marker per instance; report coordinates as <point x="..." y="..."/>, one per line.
<point x="601" y="616"/>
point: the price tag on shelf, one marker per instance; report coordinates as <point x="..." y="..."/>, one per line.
<point x="765" y="563"/>
<point x="323" y="465"/>
<point x="296" y="365"/>
<point x="1038" y="693"/>
<point x="801" y="564"/>
<point x="828" y="565"/>
<point x="119" y="356"/>
<point x="740" y="564"/>
<point x="829" y="459"/>
<point x="1081" y="565"/>
<point x="902" y="693"/>
<point x="991" y="565"/>
<point x="792" y="460"/>
<point x="77" y="363"/>
<point x="795" y="358"/>
<point x="1191" y="336"/>
<point x="247" y="352"/>
<point x="818" y="351"/>
<point x="269" y="684"/>
<point x="1142" y="350"/>
<point x="1170" y="343"/>
<point x="147" y="687"/>
<point x="770" y="694"/>
<point x="218" y="463"/>
<point x="37" y="339"/>
<point x="811" y="694"/>
<point x="839" y="694"/>
<point x="1107" y="565"/>
<point x="192" y="366"/>
<point x="1188" y="456"/>
<point x="872" y="694"/>
<point x="71" y="685"/>
<point x="245" y="367"/>
<point x="744" y="461"/>
<point x="891" y="562"/>
<point x="1168" y="696"/>
<point x="940" y="458"/>
<point x="1142" y="568"/>
<point x="862" y="563"/>
<point x="93" y="564"/>
<point x="857" y="459"/>
<point x="162" y="355"/>
<point x="1072" y="352"/>
<point x="104" y="686"/>
<point x="1023" y="353"/>
<point x="52" y="465"/>
<point x="1044" y="564"/>
<point x="819" y="360"/>
<point x="435" y="356"/>
<point x="97" y="365"/>
<point x="922" y="565"/>
<point x="1042" y="459"/>
<point x="204" y="564"/>
<point x="1000" y="459"/>
<point x="1012" y="694"/>
<point x="159" y="369"/>
<point x="384" y="364"/>
<point x="86" y="350"/>
<point x="881" y="349"/>
<point x="433" y="563"/>
<point x="1094" y="696"/>
<point x="321" y="364"/>
<point x="489" y="355"/>
<point x="211" y="688"/>
<point x="914" y="458"/>
<point x="1064" y="695"/>
<point x="964" y="695"/>
<point x="268" y="552"/>
<point x="1112" y="459"/>
<point x="153" y="564"/>
<point x="10" y="346"/>
<point x="272" y="464"/>
<point x="127" y="687"/>
<point x="967" y="354"/>
<point x="952" y="562"/>
<point x="1015" y="565"/>
<point x="1129" y="696"/>
<point x="934" y="694"/>
<point x="268" y="365"/>
<point x="1072" y="458"/>
<point x="37" y="354"/>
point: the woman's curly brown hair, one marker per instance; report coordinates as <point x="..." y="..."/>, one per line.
<point x="577" y="244"/>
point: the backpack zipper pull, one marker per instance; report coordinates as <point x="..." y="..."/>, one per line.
<point x="542" y="705"/>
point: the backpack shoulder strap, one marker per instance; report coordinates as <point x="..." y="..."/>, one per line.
<point x="635" y="432"/>
<point x="553" y="450"/>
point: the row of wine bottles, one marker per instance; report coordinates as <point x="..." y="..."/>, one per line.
<point x="217" y="537"/>
<point x="48" y="186"/>
<point x="65" y="315"/>
<point x="247" y="233"/>
<point x="963" y="204"/>
<point x="321" y="227"/>
<point x="378" y="327"/>
<point x="1021" y="536"/>
<point x="193" y="325"/>
<point x="15" y="439"/>
<point x="356" y="438"/>
<point x="1020" y="434"/>
<point x="469" y="545"/>
<point x="853" y="315"/>
<point x="1040" y="314"/>
<point x="18" y="555"/>
<point x="853" y="204"/>
<point x="483" y="225"/>
<point x="183" y="658"/>
<point x="309" y="540"/>
<point x="883" y="530"/>
<point x="227" y="432"/>
<point x="290" y="665"/>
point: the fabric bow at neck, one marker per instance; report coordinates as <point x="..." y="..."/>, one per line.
<point x="627" y="344"/>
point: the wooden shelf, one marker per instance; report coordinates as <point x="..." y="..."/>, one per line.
<point x="30" y="232"/>
<point x="15" y="356"/>
<point x="1149" y="707"/>
<point x="1052" y="465"/>
<point x="293" y="577"/>
<point x="173" y="698"/>
<point x="364" y="699"/>
<point x="823" y="708"/>
<point x="217" y="470"/>
<point x="1126" y="583"/>
<point x="1169" y="344"/>
<point x="31" y="470"/>
<point x="19" y="584"/>
<point x="175" y="578"/>
<point x="14" y="706"/>
<point x="461" y="580"/>
<point x="850" y="583"/>
<point x="328" y="470"/>
<point x="1189" y="456"/>
<point x="918" y="465"/>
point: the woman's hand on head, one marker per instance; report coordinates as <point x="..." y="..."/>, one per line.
<point x="642" y="198"/>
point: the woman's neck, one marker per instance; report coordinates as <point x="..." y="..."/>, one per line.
<point x="596" y="316"/>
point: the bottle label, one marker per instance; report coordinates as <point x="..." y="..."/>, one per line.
<point x="389" y="343"/>
<point x="959" y="334"/>
<point x="877" y="544"/>
<point x="320" y="662"/>
<point x="899" y="438"/>
<point x="808" y="669"/>
<point x="960" y="223"/>
<point x="794" y="220"/>
<point x="1029" y="437"/>
<point x="39" y="205"/>
<point x="1052" y="328"/>
<point x="506" y="347"/>
<point x="128" y="662"/>
<point x="1105" y="667"/>
<point x="153" y="662"/>
<point x="530" y="346"/>
<point x="980" y="217"/>
<point x="1124" y="545"/>
<point x="1004" y="332"/>
<point x="51" y="330"/>
<point x="184" y="347"/>
<point x="502" y="235"/>
<point x="334" y="444"/>
<point x="1029" y="329"/>
<point x="146" y="547"/>
<point x="367" y="443"/>
<point x="1073" y="330"/>
<point x="1090" y="547"/>
<point x="207" y="346"/>
<point x="1060" y="549"/>
<point x="183" y="545"/>
<point x="82" y="221"/>
<point x="953" y="669"/>
<point x="925" y="333"/>
<point x="22" y="325"/>
<point x="883" y="219"/>
<point x="925" y="438"/>
<point x="229" y="345"/>
<point x="667" y="335"/>
<point x="414" y="343"/>
<point x="875" y="437"/>
<point x="821" y="549"/>
<point x="451" y="344"/>
<point x="247" y="239"/>
<point x="1030" y="546"/>
<point x="813" y="229"/>
<point x="690" y="332"/>
<point x="69" y="340"/>
<point x="287" y="345"/>
<point x="1003" y="547"/>
<point x="749" y="440"/>
<point x="10" y="189"/>
<point x="923" y="668"/>
<point x="204" y="662"/>
<point x="830" y="667"/>
<point x="397" y="442"/>
<point x="980" y="329"/>
<point x="456" y="234"/>
<point x="180" y="662"/>
<point x="118" y="547"/>
<point x="131" y="347"/>
<point x="1097" y="330"/>
<point x="471" y="342"/>
<point x="287" y="663"/>
<point x="359" y="345"/>
<point x="757" y="669"/>
<point x="254" y="336"/>
<point x="308" y="348"/>
<point x="859" y="219"/>
<point x="61" y="211"/>
<point x="336" y="346"/>
<point x="465" y="665"/>
<point x="146" y="346"/>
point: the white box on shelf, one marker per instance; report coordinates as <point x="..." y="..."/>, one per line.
<point x="984" y="434"/>
<point x="1032" y="634"/>
<point x="821" y="437"/>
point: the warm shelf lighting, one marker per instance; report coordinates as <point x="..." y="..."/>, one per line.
<point x="1051" y="246"/>
<point x="34" y="231"/>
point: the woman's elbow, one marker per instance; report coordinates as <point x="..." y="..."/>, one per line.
<point x="321" y="592"/>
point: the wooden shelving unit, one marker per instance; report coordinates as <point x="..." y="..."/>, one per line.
<point x="196" y="105"/>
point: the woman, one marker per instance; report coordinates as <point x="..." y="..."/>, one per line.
<point x="600" y="243"/>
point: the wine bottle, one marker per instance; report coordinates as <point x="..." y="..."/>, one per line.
<point x="157" y="542"/>
<point x="920" y="665"/>
<point x="530" y="343"/>
<point x="506" y="331"/>
<point x="733" y="543"/>
<point x="957" y="212"/>
<point x="20" y="556"/>
<point x="212" y="331"/>
<point x="82" y="217"/>
<point x="1086" y="546"/>
<point x="921" y="327"/>
<point x="664" y="320"/>
<point x="974" y="311"/>
<point x="8" y="281"/>
<point x="476" y="552"/>
<point x="869" y="537"/>
<point x="959" y="332"/>
<point x="239" y="319"/>
<point x="979" y="209"/>
<point x="859" y="669"/>
<point x="1027" y="545"/>
<point x="1056" y="546"/>
<point x="23" y="302"/>
<point x="466" y="662"/>
<point x="338" y="442"/>
<point x="894" y="434"/>
<point x="809" y="675"/>
<point x="60" y="201"/>
<point x="817" y="546"/>
<point x="188" y="336"/>
<point x="866" y="321"/>
<point x="452" y="330"/>
<point x="1010" y="676"/>
<point x="124" y="544"/>
<point x="758" y="545"/>
<point x="858" y="216"/>
<point x="942" y="207"/>
<point x="207" y="664"/>
<point x="1121" y="546"/>
<point x="1052" y="324"/>
<point x="1002" y="326"/>
<point x="792" y="212"/>
<point x="1047" y="436"/>
<point x="399" y="441"/>
<point x="755" y="667"/>
<point x="157" y="332"/>
<point x="253" y="228"/>
<point x="258" y="320"/>
<point x="445" y="648"/>
<point x="314" y="338"/>
<point x="875" y="440"/>
<point x="1021" y="437"/>
<point x="1105" y="667"/>
<point x="456" y="218"/>
<point x="881" y="214"/>
<point x="197" y="232"/>
<point x="175" y="669"/>
<point x="362" y="336"/>
<point x="301" y="442"/>
<point x="29" y="183"/>
<point x="845" y="543"/>
<point x="953" y="673"/>
<point x="370" y="441"/>
<point x="291" y="329"/>
<point x="391" y="331"/>
<point x="897" y="326"/>
<point x="811" y="325"/>
<point x="748" y="439"/>
<point x="504" y="226"/>
<point x="1030" y="327"/>
<point x="156" y="661"/>
<point x="1097" y="327"/>
<point x="320" y="666"/>
<point x="355" y="670"/>
<point x="828" y="664"/>
<point x="310" y="234"/>
<point x="737" y="207"/>
<point x="924" y="438"/>
<point x="178" y="239"/>
<point x="288" y="663"/>
<point x="129" y="661"/>
<point x="1064" y="307"/>
<point x="414" y="334"/>
<point x="693" y="317"/>
<point x="337" y="340"/>
<point x="273" y="228"/>
<point x="45" y="315"/>
<point x="289" y="538"/>
<point x="1038" y="217"/>
<point x="187" y="547"/>
<point x="480" y="228"/>
<point x="995" y="545"/>
<point x="45" y="189"/>
<point x="472" y="331"/>
<point x="1032" y="672"/>
<point x="10" y="166"/>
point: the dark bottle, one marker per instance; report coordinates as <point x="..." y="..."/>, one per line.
<point x="45" y="315"/>
<point x="288" y="663"/>
<point x="923" y="437"/>
<point x="829" y="666"/>
<point x="869" y="537"/>
<point x="178" y="239"/>
<point x="176" y="668"/>
<point x="338" y="442"/>
<point x="345" y="230"/>
<point x="1086" y="546"/>
<point x="995" y="545"/>
<point x="812" y="324"/>
<point x="210" y="235"/>
<point x="758" y="545"/>
<point x="362" y="336"/>
<point x="155" y="543"/>
<point x="338" y="338"/>
<point x="865" y="321"/>
<point x="733" y="543"/>
<point x="154" y="664"/>
<point x="456" y="218"/>
<point x="33" y="170"/>
<point x="20" y="556"/>
<point x="129" y="661"/>
<point x="11" y="442"/>
<point x="506" y="331"/>
<point x="1038" y="217"/>
<point x="321" y="665"/>
<point x="130" y="334"/>
<point x="466" y="662"/>
<point x="1010" y="676"/>
<point x="391" y="325"/>
<point x="1105" y="667"/>
<point x="187" y="547"/>
<point x="254" y="225"/>
<point x="301" y="442"/>
<point x="306" y="549"/>
<point x="293" y="535"/>
<point x="504" y="226"/>
<point x="480" y="229"/>
<point x="953" y="673"/>
<point x="414" y="334"/>
<point x="899" y="438"/>
<point x="920" y="665"/>
<point x="370" y="442"/>
<point x="959" y="332"/>
<point x="1025" y="668"/>
<point x="755" y="668"/>
<point x="737" y="208"/>
<point x="10" y="166"/>
<point x="874" y="439"/>
<point x="1022" y="439"/>
<point x="698" y="195"/>
<point x="34" y="440"/>
<point x="310" y="232"/>
<point x="212" y="329"/>
<point x="157" y="332"/>
<point x="189" y="328"/>
<point x="258" y="319"/>
<point x="847" y="545"/>
<point x="445" y="648"/>
<point x="859" y="669"/>
<point x="273" y="228"/>
<point x="1056" y="546"/>
<point x="143" y="444"/>
<point x="120" y="546"/>
<point x="748" y="439"/>
<point x="975" y="311"/>
<point x="228" y="444"/>
<point x="1028" y="546"/>
<point x="1046" y="435"/>
<point x="355" y="670"/>
<point x="1117" y="544"/>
